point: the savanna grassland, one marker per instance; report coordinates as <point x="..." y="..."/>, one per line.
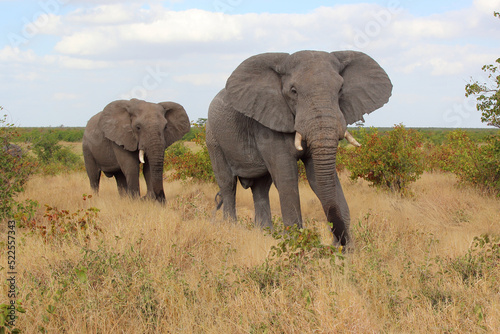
<point x="425" y="263"/>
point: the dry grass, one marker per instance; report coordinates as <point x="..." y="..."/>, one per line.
<point x="176" y="269"/>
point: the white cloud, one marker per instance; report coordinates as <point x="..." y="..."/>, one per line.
<point x="427" y="28"/>
<point x="103" y="15"/>
<point x="27" y="76"/>
<point x="487" y="6"/>
<point x="14" y="55"/>
<point x="88" y="43"/>
<point x="188" y="26"/>
<point x="64" y="96"/>
<point x="203" y="79"/>
<point x="443" y="66"/>
<point x="191" y="26"/>
<point x="81" y="64"/>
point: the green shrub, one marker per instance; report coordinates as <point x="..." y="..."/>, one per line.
<point x="7" y="319"/>
<point x="54" y="157"/>
<point x="46" y="147"/>
<point x="481" y="260"/>
<point x="196" y="128"/>
<point x="186" y="164"/>
<point x="391" y="161"/>
<point x="59" y="225"/>
<point x="14" y="173"/>
<point x="32" y="135"/>
<point x="297" y="249"/>
<point x="473" y="163"/>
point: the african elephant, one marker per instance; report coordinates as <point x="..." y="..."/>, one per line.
<point x="278" y="108"/>
<point x="126" y="133"/>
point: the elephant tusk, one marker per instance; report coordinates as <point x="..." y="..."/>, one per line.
<point x="141" y="156"/>
<point x="351" y="139"/>
<point x="298" y="141"/>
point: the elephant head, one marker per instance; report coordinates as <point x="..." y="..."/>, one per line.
<point x="147" y="129"/>
<point x="314" y="95"/>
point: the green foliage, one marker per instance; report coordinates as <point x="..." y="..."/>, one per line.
<point x="32" y="135"/>
<point x="488" y="94"/>
<point x="14" y="173"/>
<point x="481" y="260"/>
<point x="46" y="147"/>
<point x="196" y="128"/>
<point x="473" y="163"/>
<point x="57" y="225"/>
<point x="391" y="161"/>
<point x="188" y="164"/>
<point x="110" y="274"/>
<point x="53" y="156"/>
<point x="297" y="250"/>
<point x="9" y="315"/>
<point x="300" y="245"/>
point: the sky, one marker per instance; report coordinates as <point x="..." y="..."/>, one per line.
<point x="62" y="61"/>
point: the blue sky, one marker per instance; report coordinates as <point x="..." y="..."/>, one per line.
<point x="62" y="61"/>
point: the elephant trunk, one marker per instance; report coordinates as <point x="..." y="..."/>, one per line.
<point x="155" y="154"/>
<point x="323" y="141"/>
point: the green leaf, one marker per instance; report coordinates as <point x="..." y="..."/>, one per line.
<point x="51" y="309"/>
<point x="81" y="274"/>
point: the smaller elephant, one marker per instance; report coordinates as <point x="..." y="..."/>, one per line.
<point x="127" y="133"/>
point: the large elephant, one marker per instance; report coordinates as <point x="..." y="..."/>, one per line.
<point x="126" y="133"/>
<point x="278" y="108"/>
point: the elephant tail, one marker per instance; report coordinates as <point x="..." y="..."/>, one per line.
<point x="218" y="201"/>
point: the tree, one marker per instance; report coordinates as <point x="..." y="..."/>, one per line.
<point x="391" y="160"/>
<point x="15" y="169"/>
<point x="488" y="94"/>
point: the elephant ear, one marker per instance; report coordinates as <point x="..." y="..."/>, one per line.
<point x="115" y="122"/>
<point x="254" y="89"/>
<point x="366" y="85"/>
<point x="177" y="122"/>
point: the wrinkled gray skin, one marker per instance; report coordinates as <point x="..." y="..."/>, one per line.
<point x="113" y="138"/>
<point x="252" y="124"/>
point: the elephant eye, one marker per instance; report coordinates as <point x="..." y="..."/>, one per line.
<point x="138" y="127"/>
<point x="293" y="90"/>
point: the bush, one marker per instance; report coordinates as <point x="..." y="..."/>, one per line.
<point x="187" y="164"/>
<point x="15" y="171"/>
<point x="391" y="161"/>
<point x="196" y="128"/>
<point x="53" y="156"/>
<point x="60" y="225"/>
<point x="297" y="249"/>
<point x="473" y="163"/>
<point x="481" y="260"/>
<point x="62" y="134"/>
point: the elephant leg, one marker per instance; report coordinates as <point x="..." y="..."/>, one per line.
<point x="286" y="179"/>
<point x="133" y="183"/>
<point x="260" y="192"/>
<point x="227" y="184"/>
<point x="129" y="168"/>
<point x="226" y="180"/>
<point x="93" y="171"/>
<point x="228" y="193"/>
<point x="121" y="183"/>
